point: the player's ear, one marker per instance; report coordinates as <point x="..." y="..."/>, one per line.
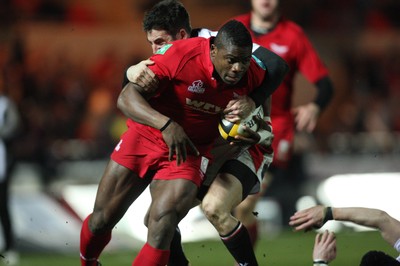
<point x="183" y="34"/>
<point x="213" y="50"/>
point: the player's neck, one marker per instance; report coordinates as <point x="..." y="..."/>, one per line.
<point x="263" y="25"/>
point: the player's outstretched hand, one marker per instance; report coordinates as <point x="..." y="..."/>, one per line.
<point x="239" y="108"/>
<point x="141" y="75"/>
<point x="177" y="141"/>
<point x="324" y="247"/>
<point x="308" y="219"/>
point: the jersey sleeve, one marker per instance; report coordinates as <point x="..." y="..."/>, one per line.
<point x="256" y="75"/>
<point x="276" y="69"/>
<point x="166" y="63"/>
<point x="308" y="61"/>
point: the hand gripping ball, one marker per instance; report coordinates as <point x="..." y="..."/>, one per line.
<point x="229" y="130"/>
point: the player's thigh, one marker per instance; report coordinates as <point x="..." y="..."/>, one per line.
<point x="225" y="193"/>
<point x="174" y="195"/>
<point x="249" y="203"/>
<point x="118" y="188"/>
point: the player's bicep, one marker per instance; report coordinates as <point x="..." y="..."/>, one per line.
<point x="276" y="68"/>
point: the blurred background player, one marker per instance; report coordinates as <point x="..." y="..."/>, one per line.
<point x="9" y="124"/>
<point x="388" y="226"/>
<point x="282" y="36"/>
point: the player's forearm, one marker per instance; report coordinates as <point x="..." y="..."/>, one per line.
<point x="362" y="216"/>
<point x="378" y="219"/>
<point x="134" y="106"/>
<point x="267" y="106"/>
<point x="325" y="92"/>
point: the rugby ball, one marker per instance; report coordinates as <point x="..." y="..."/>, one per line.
<point x="229" y="130"/>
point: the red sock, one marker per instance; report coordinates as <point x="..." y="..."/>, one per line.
<point x="91" y="245"/>
<point x="253" y="233"/>
<point x="149" y="256"/>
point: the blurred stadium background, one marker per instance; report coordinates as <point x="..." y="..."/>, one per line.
<point x="63" y="62"/>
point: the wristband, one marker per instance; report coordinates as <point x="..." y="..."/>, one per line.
<point x="328" y="214"/>
<point x="166" y="125"/>
<point x="320" y="263"/>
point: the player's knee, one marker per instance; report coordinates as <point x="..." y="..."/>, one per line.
<point x="214" y="212"/>
<point x="161" y="224"/>
<point x="98" y="224"/>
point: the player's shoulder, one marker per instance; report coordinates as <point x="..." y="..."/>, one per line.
<point x="244" y="18"/>
<point x="181" y="47"/>
<point x="291" y="27"/>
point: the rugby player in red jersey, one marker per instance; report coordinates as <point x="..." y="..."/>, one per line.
<point x="284" y="37"/>
<point x="168" y="139"/>
<point x="169" y="21"/>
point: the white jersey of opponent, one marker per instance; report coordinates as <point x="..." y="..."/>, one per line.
<point x="397" y="247"/>
<point x="206" y="33"/>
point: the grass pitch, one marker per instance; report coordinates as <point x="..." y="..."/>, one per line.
<point x="288" y="248"/>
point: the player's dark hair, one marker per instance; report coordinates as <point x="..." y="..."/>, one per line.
<point x="168" y="15"/>
<point x="377" y="258"/>
<point x="234" y="33"/>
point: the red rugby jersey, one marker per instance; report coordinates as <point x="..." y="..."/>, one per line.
<point x="188" y="92"/>
<point x="289" y="41"/>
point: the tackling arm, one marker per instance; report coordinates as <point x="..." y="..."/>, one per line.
<point x="316" y="217"/>
<point x="141" y="75"/>
<point x="133" y="105"/>
<point x="276" y="68"/>
<point x="387" y="225"/>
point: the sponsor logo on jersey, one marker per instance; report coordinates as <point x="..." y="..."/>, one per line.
<point x="197" y="87"/>
<point x="203" y="106"/>
<point x="279" y="49"/>
<point x="163" y="49"/>
<point x="118" y="147"/>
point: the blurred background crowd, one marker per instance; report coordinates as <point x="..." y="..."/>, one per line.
<point x="62" y="62"/>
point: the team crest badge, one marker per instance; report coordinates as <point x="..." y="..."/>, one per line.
<point x="163" y="49"/>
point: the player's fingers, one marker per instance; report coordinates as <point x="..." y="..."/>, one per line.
<point x="178" y="155"/>
<point x="151" y="83"/>
<point x="311" y="126"/>
<point x="183" y="152"/>
<point x="307" y="226"/>
<point x="232" y="118"/>
<point x="193" y="147"/>
<point x="171" y="152"/>
<point x="317" y="238"/>
<point x="331" y="237"/>
<point x="324" y="236"/>
<point x="229" y="106"/>
<point x="141" y="83"/>
<point x="299" y="123"/>
<point x="148" y="62"/>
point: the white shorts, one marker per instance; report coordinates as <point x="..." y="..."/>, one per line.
<point x="240" y="162"/>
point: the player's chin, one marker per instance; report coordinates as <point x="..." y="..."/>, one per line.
<point x="231" y="80"/>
